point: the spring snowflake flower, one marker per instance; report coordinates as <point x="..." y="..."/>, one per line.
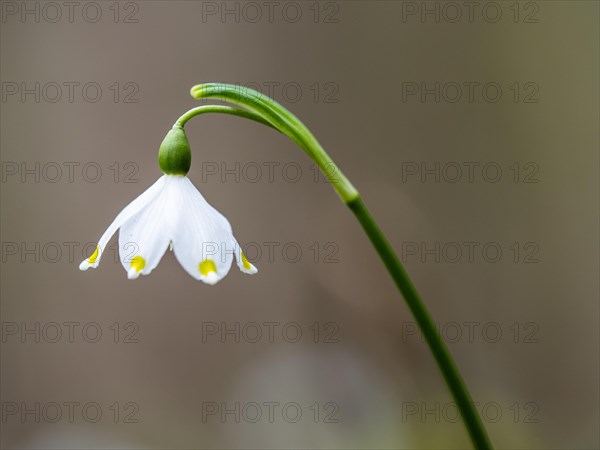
<point x="173" y="214"/>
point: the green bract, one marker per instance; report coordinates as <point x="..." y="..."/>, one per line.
<point x="174" y="154"/>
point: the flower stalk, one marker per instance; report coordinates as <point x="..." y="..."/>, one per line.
<point x="265" y="110"/>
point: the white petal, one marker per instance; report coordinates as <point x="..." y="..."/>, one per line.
<point x="203" y="242"/>
<point x="144" y="238"/>
<point x="130" y="210"/>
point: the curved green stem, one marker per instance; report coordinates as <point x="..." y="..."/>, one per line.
<point x="283" y="120"/>
<point x="261" y="107"/>
<point x="223" y="110"/>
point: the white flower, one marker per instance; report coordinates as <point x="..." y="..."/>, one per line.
<point x="172" y="213"/>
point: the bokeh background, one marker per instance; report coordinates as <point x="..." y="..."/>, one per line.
<point x="179" y="364"/>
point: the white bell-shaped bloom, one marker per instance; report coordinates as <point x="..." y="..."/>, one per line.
<point x="172" y="213"/>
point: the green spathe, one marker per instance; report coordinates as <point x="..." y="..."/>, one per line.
<point x="174" y="154"/>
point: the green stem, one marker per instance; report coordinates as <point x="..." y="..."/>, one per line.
<point x="437" y="346"/>
<point x="283" y="120"/>
<point x="223" y="110"/>
<point x="273" y="114"/>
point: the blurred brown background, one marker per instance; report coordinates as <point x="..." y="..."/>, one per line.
<point x="520" y="312"/>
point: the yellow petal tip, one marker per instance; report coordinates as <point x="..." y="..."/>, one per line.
<point x="137" y="264"/>
<point x="207" y="266"/>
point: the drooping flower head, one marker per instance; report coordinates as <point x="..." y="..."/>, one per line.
<point x="173" y="214"/>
